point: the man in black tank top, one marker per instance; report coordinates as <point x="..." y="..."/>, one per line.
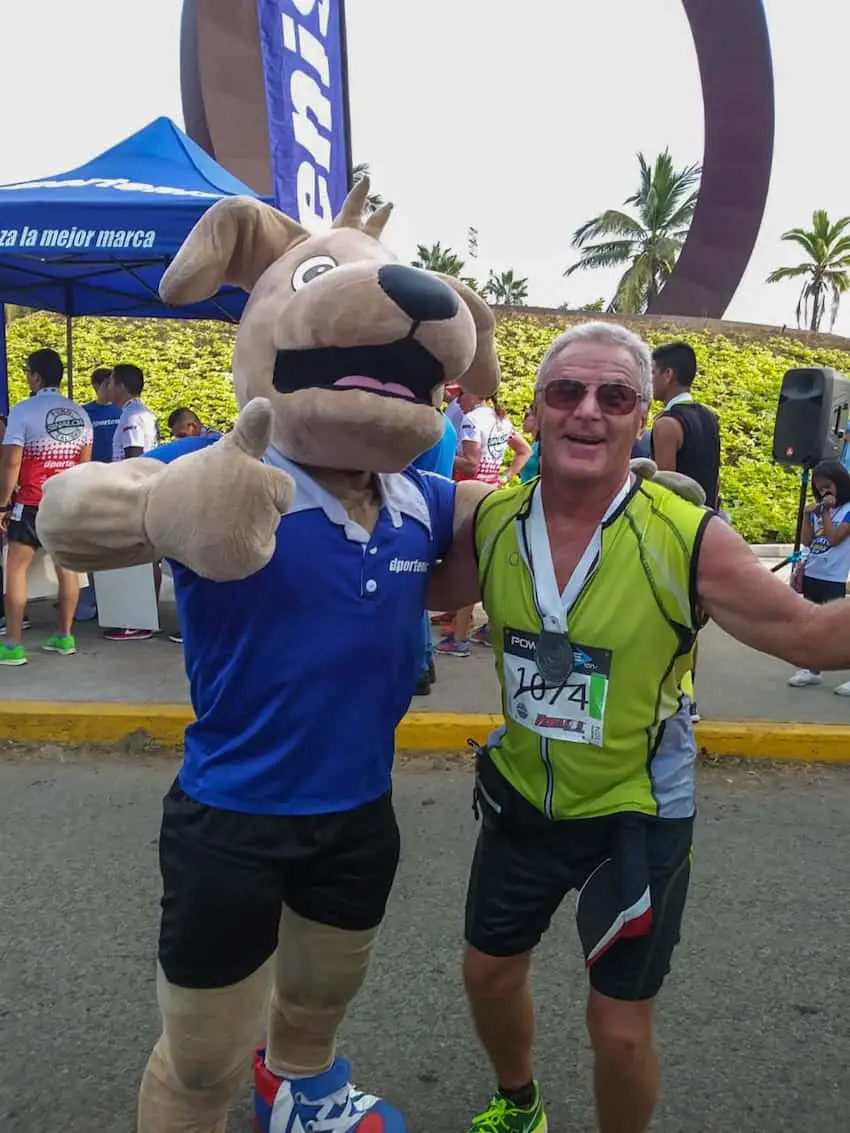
<point x="685" y="435"/>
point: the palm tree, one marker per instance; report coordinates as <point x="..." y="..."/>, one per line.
<point x="826" y="272"/>
<point x="444" y="260"/>
<point x="649" y="242"/>
<point x="505" y="289"/>
<point x="374" y="200"/>
<point x="438" y="258"/>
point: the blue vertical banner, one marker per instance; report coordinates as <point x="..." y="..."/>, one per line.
<point x="306" y="80"/>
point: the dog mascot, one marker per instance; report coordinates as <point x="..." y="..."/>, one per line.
<point x="300" y="545"/>
<point x="279" y="844"/>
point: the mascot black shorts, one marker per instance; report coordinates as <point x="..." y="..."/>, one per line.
<point x="525" y="865"/>
<point x="226" y="875"/>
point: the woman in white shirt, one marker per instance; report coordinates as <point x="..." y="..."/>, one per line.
<point x="826" y="535"/>
<point x="485" y="433"/>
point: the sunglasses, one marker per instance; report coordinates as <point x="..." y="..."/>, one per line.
<point x="614" y="398"/>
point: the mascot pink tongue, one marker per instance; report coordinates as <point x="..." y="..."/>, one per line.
<point x="373" y="383"/>
<point x="279" y="842"/>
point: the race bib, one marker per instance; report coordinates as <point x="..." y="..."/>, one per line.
<point x="573" y="710"/>
<point x="17" y="512"/>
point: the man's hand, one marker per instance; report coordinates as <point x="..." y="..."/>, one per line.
<point x="217" y="510"/>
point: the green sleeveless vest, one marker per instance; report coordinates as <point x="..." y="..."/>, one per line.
<point x="633" y="629"/>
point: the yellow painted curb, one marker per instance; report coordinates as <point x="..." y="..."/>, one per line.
<point x="40" y="721"/>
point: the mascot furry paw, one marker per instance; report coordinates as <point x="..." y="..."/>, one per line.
<point x="683" y="486"/>
<point x="300" y="545"/>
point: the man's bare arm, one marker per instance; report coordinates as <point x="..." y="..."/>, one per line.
<point x="667" y="439"/>
<point x="454" y="581"/>
<point x="468" y="460"/>
<point x="10" y="469"/>
<point x="759" y="610"/>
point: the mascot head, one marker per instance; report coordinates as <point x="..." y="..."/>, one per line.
<point x="352" y="348"/>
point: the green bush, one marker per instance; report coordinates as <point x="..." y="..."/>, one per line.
<point x="188" y="363"/>
<point x="185" y="362"/>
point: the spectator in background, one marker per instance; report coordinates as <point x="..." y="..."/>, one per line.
<point x="642" y="448"/>
<point x="685" y="435"/>
<point x="439" y="459"/>
<point x="137" y="432"/>
<point x="103" y="414"/>
<point x="185" y="422"/>
<point x="826" y="535"/>
<point x="494" y="435"/>
<point x="46" y="434"/>
<point x="3" y="420"/>
<point x="531" y="468"/>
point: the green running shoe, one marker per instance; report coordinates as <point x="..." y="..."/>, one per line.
<point x="64" y="644"/>
<point x="502" y="1116"/>
<point x="12" y="654"/>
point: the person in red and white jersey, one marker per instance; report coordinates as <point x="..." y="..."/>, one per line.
<point x="45" y="435"/>
<point x="485" y="433"/>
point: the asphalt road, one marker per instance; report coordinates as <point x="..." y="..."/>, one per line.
<point x="755" y="1019"/>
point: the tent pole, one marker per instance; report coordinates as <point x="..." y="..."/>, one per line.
<point x="69" y="351"/>
<point x="4" y="364"/>
<point x="69" y="339"/>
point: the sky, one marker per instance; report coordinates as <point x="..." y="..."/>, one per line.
<point x="524" y="125"/>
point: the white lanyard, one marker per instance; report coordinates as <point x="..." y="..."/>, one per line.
<point x="679" y="399"/>
<point x="553" y="606"/>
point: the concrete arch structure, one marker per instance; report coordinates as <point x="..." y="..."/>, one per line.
<point x="224" y="108"/>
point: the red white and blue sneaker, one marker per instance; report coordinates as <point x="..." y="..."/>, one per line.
<point x="326" y="1103"/>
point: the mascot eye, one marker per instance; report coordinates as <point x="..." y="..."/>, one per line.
<point x="311" y="269"/>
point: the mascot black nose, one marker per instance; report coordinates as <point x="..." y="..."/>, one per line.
<point x="421" y="296"/>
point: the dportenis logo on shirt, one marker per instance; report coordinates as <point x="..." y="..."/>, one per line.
<point x="409" y="566"/>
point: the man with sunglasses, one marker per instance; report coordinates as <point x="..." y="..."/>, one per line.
<point x="596" y="582"/>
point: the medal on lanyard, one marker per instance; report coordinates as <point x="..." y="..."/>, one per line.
<point x="553" y="652"/>
<point x="554" y="656"/>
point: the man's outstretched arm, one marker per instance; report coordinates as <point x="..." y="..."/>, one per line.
<point x="759" y="610"/>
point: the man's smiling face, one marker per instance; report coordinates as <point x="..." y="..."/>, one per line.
<point x="589" y="411"/>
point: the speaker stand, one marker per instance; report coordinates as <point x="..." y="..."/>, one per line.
<point x="794" y="557"/>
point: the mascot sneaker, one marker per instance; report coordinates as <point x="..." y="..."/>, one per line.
<point x="326" y="1103"/>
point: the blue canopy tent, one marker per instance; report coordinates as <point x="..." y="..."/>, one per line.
<point x="96" y="240"/>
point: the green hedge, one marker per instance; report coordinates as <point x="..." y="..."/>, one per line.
<point x="739" y="376"/>
<point x="185" y="363"/>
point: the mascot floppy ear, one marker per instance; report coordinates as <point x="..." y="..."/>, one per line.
<point x="483" y="376"/>
<point x="233" y="243"/>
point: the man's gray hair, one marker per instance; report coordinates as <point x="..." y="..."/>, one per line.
<point x="612" y="334"/>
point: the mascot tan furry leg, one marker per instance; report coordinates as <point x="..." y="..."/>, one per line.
<point x="206" y="1050"/>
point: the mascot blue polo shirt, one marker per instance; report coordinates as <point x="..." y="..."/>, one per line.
<point x="300" y="674"/>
